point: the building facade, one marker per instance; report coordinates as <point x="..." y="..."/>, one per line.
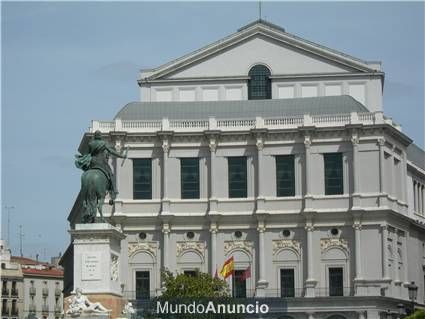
<point x="42" y="288"/>
<point x="274" y="150"/>
<point x="12" y="291"/>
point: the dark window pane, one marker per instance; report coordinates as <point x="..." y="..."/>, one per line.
<point x="237" y="177"/>
<point x="287" y="283"/>
<point x="142" y="178"/>
<point x="189" y="170"/>
<point x="285" y="176"/>
<point x="142" y="285"/>
<point x="334" y="181"/>
<point x="259" y="84"/>
<point x="190" y="273"/>
<point x="239" y="284"/>
<point x="336" y="282"/>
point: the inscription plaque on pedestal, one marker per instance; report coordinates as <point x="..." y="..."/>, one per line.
<point x="91" y="266"/>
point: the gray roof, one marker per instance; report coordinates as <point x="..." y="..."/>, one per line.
<point x="240" y="109"/>
<point x="416" y="155"/>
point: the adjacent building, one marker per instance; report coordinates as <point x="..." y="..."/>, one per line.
<point x="42" y="288"/>
<point x="12" y="291"/>
<point x="274" y="150"/>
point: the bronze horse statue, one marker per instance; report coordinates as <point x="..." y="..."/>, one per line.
<point x="94" y="186"/>
<point x="97" y="179"/>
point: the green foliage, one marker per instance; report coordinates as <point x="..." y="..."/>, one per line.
<point x="202" y="285"/>
<point x="419" y="314"/>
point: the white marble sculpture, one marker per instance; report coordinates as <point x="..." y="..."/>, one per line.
<point x="128" y="309"/>
<point x="80" y="304"/>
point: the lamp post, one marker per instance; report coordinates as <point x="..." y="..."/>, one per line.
<point x="413" y="294"/>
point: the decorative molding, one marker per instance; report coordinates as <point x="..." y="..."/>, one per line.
<point x="286" y="243"/>
<point x="260" y="144"/>
<point x="114" y="267"/>
<point x="381" y="141"/>
<point x="183" y="246"/>
<point x="165" y="146"/>
<point x="150" y="247"/>
<point x="245" y="245"/>
<point x="326" y="243"/>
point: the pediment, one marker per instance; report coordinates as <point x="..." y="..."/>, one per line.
<point x="282" y="52"/>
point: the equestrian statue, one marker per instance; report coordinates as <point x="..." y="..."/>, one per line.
<point x="97" y="178"/>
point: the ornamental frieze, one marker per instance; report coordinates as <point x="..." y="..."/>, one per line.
<point x="142" y="246"/>
<point x="238" y="244"/>
<point x="286" y="243"/>
<point x="197" y="246"/>
<point x="326" y="243"/>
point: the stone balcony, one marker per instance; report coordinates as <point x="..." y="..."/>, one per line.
<point x="243" y="124"/>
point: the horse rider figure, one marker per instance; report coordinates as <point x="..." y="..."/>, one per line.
<point x="97" y="158"/>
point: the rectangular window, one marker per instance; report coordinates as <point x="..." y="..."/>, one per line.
<point x="189" y="172"/>
<point x="285" y="176"/>
<point x="287" y="283"/>
<point x="334" y="181"/>
<point x="239" y="284"/>
<point x="191" y="273"/>
<point x="142" y="285"/>
<point x="237" y="177"/>
<point x="336" y="282"/>
<point x="142" y="178"/>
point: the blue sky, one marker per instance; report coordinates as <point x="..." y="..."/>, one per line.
<point x="64" y="64"/>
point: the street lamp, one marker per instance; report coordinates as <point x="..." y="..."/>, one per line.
<point x="413" y="294"/>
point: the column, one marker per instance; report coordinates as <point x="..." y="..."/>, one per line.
<point x="166" y="150"/>
<point x="165" y="191"/>
<point x="310" y="283"/>
<point x="420" y="199"/>
<point x="415" y="197"/>
<point x="310" y="315"/>
<point x="213" y="231"/>
<point x="357" y="233"/>
<point x="404" y="177"/>
<point x="260" y="178"/>
<point x="355" y="143"/>
<point x="262" y="282"/>
<point x="381" y="144"/>
<point x="361" y="315"/>
<point x="307" y="144"/>
<point x="166" y="250"/>
<point x="213" y="203"/>
<point x="396" y="257"/>
<point x="260" y="146"/>
<point x="384" y="238"/>
<point x="393" y="179"/>
<point x="213" y="147"/>
<point x="422" y="212"/>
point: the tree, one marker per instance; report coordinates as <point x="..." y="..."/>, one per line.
<point x="201" y="285"/>
<point x="419" y="314"/>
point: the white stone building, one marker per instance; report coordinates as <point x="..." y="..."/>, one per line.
<point x="274" y="150"/>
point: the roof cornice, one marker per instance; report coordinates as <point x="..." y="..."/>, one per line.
<point x="266" y="30"/>
<point x="377" y="74"/>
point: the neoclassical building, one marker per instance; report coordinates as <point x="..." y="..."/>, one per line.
<point x="274" y="150"/>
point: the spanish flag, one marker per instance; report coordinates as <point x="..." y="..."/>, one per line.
<point x="228" y="268"/>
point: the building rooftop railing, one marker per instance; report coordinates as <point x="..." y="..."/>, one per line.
<point x="213" y="124"/>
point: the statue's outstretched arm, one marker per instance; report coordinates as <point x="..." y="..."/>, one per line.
<point x="112" y="151"/>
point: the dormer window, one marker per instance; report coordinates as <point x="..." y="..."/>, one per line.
<point x="259" y="83"/>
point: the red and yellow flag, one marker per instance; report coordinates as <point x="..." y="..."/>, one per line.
<point x="228" y="268"/>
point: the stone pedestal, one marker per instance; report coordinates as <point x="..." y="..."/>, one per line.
<point x="97" y="250"/>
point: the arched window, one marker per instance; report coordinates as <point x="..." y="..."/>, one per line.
<point x="259" y="83"/>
